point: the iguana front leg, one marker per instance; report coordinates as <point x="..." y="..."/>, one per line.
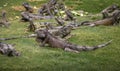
<point x="44" y="42"/>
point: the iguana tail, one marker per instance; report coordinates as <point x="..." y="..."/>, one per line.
<point x="18" y="37"/>
<point x="87" y="48"/>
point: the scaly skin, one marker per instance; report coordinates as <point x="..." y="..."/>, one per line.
<point x="46" y="38"/>
<point x="8" y="50"/>
<point x="113" y="20"/>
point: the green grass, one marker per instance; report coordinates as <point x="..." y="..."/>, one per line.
<point x="93" y="6"/>
<point x="35" y="58"/>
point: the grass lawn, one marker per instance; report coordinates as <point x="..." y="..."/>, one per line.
<point x="35" y="58"/>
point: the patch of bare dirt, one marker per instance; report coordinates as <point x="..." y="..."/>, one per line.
<point x="18" y="8"/>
